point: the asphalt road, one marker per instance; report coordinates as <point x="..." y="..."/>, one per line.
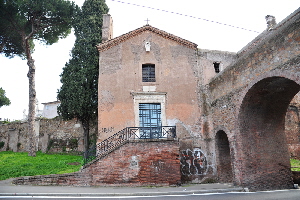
<point x="268" y="195"/>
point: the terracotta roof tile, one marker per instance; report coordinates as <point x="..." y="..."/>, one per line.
<point x="115" y="41"/>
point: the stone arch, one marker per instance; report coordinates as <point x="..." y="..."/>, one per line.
<point x="224" y="158"/>
<point x="264" y="158"/>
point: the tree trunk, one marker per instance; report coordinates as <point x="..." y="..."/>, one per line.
<point x="86" y="137"/>
<point x="32" y="101"/>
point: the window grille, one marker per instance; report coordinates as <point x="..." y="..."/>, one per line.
<point x="150" y="120"/>
<point x="148" y="71"/>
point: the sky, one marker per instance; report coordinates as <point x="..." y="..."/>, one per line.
<point x="199" y="21"/>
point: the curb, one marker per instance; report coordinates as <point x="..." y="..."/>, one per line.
<point x="127" y="194"/>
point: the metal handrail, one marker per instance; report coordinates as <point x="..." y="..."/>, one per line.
<point x="132" y="133"/>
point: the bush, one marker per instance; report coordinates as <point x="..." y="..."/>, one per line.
<point x="2" y="144"/>
<point x="73" y="143"/>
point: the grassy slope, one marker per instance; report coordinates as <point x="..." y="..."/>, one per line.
<point x="20" y="164"/>
<point x="295" y="163"/>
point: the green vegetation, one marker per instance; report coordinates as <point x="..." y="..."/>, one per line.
<point x="4" y="101"/>
<point x="16" y="164"/>
<point x="295" y="163"/>
<point x="78" y="94"/>
<point x="2" y="144"/>
<point x="21" y="23"/>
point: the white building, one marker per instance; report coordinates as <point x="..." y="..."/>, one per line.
<point x="50" y="109"/>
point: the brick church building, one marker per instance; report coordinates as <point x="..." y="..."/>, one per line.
<point x="156" y="89"/>
<point x="152" y="84"/>
<point x="170" y="113"/>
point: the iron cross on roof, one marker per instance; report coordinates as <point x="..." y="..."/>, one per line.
<point x="147" y="20"/>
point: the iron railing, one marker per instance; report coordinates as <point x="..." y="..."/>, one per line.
<point x="90" y="154"/>
<point x="130" y="133"/>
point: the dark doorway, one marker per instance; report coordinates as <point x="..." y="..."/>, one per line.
<point x="223" y="158"/>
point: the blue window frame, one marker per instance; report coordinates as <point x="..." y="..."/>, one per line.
<point x="150" y="120"/>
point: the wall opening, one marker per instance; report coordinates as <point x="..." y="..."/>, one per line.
<point x="263" y="150"/>
<point x="292" y="127"/>
<point x="148" y="73"/>
<point x="217" y="67"/>
<point x="224" y="165"/>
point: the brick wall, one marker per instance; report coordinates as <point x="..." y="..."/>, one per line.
<point x="249" y="100"/>
<point x="292" y="127"/>
<point x="136" y="163"/>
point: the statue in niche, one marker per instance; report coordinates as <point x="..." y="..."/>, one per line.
<point x="147" y="46"/>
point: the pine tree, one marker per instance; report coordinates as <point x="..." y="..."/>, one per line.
<point x="21" y="22"/>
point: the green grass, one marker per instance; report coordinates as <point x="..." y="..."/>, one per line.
<point x="295" y="163"/>
<point x="16" y="164"/>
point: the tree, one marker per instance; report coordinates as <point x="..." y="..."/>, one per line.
<point x="23" y="21"/>
<point x="79" y="91"/>
<point x="4" y="101"/>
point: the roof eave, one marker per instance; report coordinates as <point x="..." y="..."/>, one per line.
<point x="115" y="41"/>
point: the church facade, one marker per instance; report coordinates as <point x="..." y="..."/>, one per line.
<point x="153" y="83"/>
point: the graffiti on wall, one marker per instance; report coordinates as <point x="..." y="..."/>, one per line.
<point x="193" y="162"/>
<point x="107" y="130"/>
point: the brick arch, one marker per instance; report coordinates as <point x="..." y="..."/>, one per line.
<point x="224" y="157"/>
<point x="260" y="129"/>
<point x="274" y="73"/>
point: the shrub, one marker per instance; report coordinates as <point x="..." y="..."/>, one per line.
<point x="73" y="143"/>
<point x="2" y="144"/>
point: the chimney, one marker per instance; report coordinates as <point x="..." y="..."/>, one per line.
<point x="107" y="28"/>
<point x="271" y="22"/>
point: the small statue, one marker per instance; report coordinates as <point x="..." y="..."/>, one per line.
<point x="271" y="22"/>
<point x="147" y="46"/>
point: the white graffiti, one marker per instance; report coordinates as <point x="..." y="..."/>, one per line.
<point x="193" y="162"/>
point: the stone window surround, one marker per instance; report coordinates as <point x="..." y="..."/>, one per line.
<point x="149" y="97"/>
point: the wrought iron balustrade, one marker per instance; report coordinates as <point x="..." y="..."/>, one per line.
<point x="132" y="133"/>
<point x="90" y="154"/>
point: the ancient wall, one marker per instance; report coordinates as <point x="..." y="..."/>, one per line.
<point x="14" y="136"/>
<point x="249" y="100"/>
<point x="138" y="163"/>
<point x="207" y="58"/>
<point x="292" y="127"/>
<point x="53" y="135"/>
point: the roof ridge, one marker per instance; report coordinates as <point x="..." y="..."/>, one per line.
<point x="115" y="41"/>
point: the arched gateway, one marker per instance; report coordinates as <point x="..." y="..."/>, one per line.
<point x="261" y="121"/>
